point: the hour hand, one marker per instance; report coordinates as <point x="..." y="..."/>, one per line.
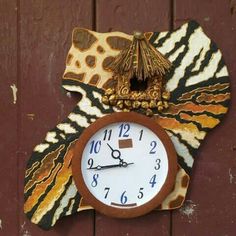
<point x="115" y="153"/>
<point x="123" y="164"/>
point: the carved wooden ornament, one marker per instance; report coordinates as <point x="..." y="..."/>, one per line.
<point x="138" y="74"/>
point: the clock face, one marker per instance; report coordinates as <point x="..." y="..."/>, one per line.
<point x="124" y="164"/>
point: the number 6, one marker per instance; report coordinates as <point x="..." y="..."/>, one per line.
<point x="123" y="198"/>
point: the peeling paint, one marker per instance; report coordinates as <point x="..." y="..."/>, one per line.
<point x="188" y="209"/>
<point x="31" y="116"/>
<point x="68" y="94"/>
<point x="23" y="225"/>
<point x="231" y="177"/>
<point x="26" y="233"/>
<point x="207" y="18"/>
<point x="14" y="92"/>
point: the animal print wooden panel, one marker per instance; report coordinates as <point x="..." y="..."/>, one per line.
<point x="199" y="86"/>
<point x="90" y="55"/>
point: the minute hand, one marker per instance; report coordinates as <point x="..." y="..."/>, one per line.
<point x="124" y="164"/>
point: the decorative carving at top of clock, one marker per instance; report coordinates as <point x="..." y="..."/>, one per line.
<point x="139" y="72"/>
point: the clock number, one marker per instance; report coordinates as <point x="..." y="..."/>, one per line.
<point x="95" y="180"/>
<point x="90" y="162"/>
<point x="95" y="147"/>
<point x="141" y="135"/>
<point x="123" y="198"/>
<point x="158" y="164"/>
<point x="153" y="145"/>
<point x="107" y="191"/>
<point x="107" y="134"/>
<point x="140" y="193"/>
<point x="153" y="180"/>
<point x="124" y="129"/>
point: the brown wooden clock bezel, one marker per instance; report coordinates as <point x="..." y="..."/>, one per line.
<point x="95" y="127"/>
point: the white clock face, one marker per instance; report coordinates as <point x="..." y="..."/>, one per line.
<point x="124" y="165"/>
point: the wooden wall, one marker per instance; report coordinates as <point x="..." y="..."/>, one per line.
<point x="35" y="36"/>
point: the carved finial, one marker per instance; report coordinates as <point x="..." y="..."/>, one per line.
<point x="138" y="35"/>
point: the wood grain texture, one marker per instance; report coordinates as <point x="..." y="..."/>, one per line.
<point x="8" y="119"/>
<point x="127" y="16"/>
<point x="155" y="223"/>
<point x="45" y="37"/>
<point x="211" y="205"/>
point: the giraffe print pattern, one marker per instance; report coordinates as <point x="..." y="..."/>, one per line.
<point x="91" y="50"/>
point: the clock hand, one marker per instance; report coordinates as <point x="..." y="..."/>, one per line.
<point x="115" y="153"/>
<point x="123" y="164"/>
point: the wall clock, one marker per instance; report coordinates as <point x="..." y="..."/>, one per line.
<point x="124" y="164"/>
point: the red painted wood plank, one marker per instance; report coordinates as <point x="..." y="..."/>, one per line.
<point x="45" y="38"/>
<point x="154" y="223"/>
<point x="8" y="118"/>
<point x="127" y="16"/>
<point x="211" y="207"/>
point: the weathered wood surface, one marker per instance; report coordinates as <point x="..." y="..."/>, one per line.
<point x="210" y="208"/>
<point x="34" y="39"/>
<point x="8" y="119"/>
<point x="128" y="16"/>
